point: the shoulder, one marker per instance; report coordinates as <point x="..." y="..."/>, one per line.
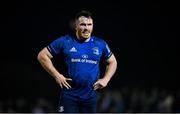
<point x="64" y="38"/>
<point x="99" y="40"/>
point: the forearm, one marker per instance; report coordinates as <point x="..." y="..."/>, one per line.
<point x="111" y="68"/>
<point x="49" y="67"/>
<point x="44" y="58"/>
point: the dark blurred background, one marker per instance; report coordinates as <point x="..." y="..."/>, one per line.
<point x="142" y="35"/>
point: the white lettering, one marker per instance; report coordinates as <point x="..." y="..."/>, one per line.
<point x="83" y="61"/>
<point x="91" y="61"/>
<point x="75" y="60"/>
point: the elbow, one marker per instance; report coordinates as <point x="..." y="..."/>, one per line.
<point x="115" y="63"/>
<point x="112" y="61"/>
<point x="39" y="56"/>
<point x="43" y="56"/>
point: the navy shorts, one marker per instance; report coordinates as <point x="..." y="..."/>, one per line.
<point x="67" y="105"/>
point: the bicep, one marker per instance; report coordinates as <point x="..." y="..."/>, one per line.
<point x="111" y="59"/>
<point x="44" y="53"/>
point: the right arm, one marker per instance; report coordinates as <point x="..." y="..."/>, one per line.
<point x="44" y="57"/>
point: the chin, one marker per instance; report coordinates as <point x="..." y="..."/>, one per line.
<point x="86" y="37"/>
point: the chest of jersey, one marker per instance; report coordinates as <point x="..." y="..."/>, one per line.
<point x="83" y="53"/>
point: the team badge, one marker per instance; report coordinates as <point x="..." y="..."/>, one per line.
<point x="95" y="50"/>
<point x="61" y="109"/>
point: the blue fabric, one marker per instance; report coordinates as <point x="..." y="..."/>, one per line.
<point x="67" y="105"/>
<point x="82" y="61"/>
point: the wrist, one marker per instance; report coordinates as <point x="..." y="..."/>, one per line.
<point x="106" y="78"/>
<point x="57" y="75"/>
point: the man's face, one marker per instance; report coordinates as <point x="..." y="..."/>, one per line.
<point x="84" y="27"/>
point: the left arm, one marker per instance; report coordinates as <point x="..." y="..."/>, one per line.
<point x="110" y="70"/>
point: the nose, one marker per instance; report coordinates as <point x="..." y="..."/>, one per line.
<point x="86" y="26"/>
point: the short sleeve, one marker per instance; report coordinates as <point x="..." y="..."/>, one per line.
<point x="106" y="51"/>
<point x="56" y="46"/>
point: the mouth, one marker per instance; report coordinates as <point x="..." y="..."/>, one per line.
<point x="86" y="33"/>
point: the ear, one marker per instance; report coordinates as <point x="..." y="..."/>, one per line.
<point x="75" y="25"/>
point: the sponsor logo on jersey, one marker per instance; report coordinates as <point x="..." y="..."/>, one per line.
<point x="73" y="49"/>
<point x="78" y="60"/>
<point x="84" y="56"/>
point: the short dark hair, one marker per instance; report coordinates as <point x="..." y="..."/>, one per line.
<point x="84" y="13"/>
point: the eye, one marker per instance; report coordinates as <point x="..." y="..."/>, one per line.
<point x="82" y="24"/>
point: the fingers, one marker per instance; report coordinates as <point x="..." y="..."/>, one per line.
<point x="61" y="85"/>
<point x="96" y="85"/>
<point x="69" y="79"/>
<point x="99" y="84"/>
<point x="66" y="84"/>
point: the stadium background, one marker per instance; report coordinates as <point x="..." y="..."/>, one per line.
<point x="142" y="34"/>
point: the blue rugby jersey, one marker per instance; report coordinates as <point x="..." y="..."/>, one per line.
<point x="82" y="60"/>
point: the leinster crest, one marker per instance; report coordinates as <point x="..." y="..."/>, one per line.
<point x="95" y="50"/>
